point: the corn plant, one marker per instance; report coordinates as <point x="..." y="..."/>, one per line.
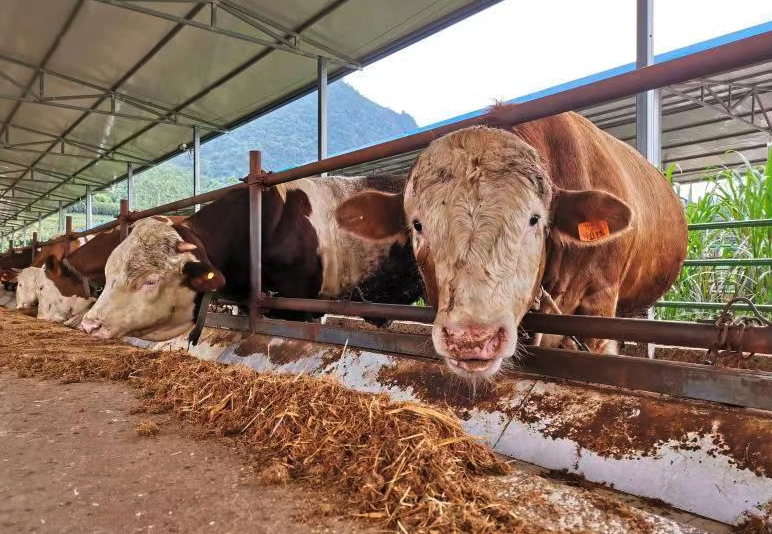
<point x="732" y="195"/>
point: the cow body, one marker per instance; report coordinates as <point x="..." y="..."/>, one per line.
<point x="156" y="277"/>
<point x="12" y="263"/>
<point x="499" y="214"/>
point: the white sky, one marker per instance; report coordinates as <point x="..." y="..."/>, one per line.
<point x="521" y="46"/>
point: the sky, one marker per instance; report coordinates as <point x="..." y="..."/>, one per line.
<point x="521" y="46"/>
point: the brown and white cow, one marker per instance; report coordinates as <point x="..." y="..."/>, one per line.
<point x="497" y="214"/>
<point x="73" y="282"/>
<point x="18" y="262"/>
<point x="155" y="278"/>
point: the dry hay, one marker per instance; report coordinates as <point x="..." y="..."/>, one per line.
<point x="404" y="465"/>
<point x="147" y="429"/>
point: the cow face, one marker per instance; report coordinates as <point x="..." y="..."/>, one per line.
<point x="479" y="203"/>
<point x="58" y="308"/>
<point x="151" y="282"/>
<point x="60" y="295"/>
<point x="29" y="283"/>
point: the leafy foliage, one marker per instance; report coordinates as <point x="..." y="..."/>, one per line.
<point x="732" y="195"/>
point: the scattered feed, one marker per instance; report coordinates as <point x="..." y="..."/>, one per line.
<point x="406" y="466"/>
<point x="147" y="429"/>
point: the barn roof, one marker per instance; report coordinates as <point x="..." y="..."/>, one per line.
<point x="87" y="86"/>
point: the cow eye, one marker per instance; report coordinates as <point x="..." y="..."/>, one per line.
<point x="534" y="220"/>
<point x="152" y="280"/>
<point x="417" y="226"/>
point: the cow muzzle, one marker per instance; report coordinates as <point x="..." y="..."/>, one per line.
<point x="95" y="328"/>
<point x="473" y="350"/>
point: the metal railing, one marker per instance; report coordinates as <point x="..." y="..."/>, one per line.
<point x="721" y="262"/>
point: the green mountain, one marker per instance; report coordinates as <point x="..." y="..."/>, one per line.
<point x="287" y="136"/>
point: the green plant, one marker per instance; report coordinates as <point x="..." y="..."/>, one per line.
<point x="731" y="195"/>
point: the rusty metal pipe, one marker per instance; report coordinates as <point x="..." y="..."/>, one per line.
<point x="123" y="219"/>
<point x="734" y="55"/>
<point x="185" y="202"/>
<point x="681" y="334"/>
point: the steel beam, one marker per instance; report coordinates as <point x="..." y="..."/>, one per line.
<point x="197" y="161"/>
<point x="61" y="218"/>
<point x="117" y="85"/>
<point x="130" y="185"/>
<point x="242" y="14"/>
<point x="162" y="114"/>
<point x="321" y="109"/>
<point x="647" y="103"/>
<point x="89" y="208"/>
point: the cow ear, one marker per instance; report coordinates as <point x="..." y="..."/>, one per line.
<point x="203" y="277"/>
<point x="373" y="215"/>
<point x="589" y="217"/>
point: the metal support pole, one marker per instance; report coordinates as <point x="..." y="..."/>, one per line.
<point x="89" y="208"/>
<point x="321" y="120"/>
<point x="255" y="237"/>
<point x="61" y="218"/>
<point x="197" y="159"/>
<point x="130" y="185"/>
<point x="40" y="226"/>
<point x="24" y="235"/>
<point x="34" y="245"/>
<point x="124" y="219"/>
<point x="67" y="234"/>
<point x="647" y="103"/>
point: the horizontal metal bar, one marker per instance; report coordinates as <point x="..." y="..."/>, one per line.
<point x="730" y="386"/>
<point x="687" y="305"/>
<point x="720" y="225"/>
<point x="729" y="262"/>
<point x="683" y="334"/>
<point x="203" y="198"/>
<point x="228" y="33"/>
<point x="750" y="389"/>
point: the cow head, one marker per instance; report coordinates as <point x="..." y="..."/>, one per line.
<point x="483" y="212"/>
<point x="60" y="294"/>
<point x="151" y="282"/>
<point x="29" y="285"/>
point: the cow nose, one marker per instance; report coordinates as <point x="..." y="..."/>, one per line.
<point x="90" y="325"/>
<point x="474" y="342"/>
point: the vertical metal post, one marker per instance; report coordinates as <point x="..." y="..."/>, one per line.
<point x="197" y="159"/>
<point x="255" y="237"/>
<point x="34" y="245"/>
<point x="130" y="185"/>
<point x="40" y="226"/>
<point x="61" y="218"/>
<point x="24" y="235"/>
<point x="321" y="109"/>
<point x="67" y="234"/>
<point x="124" y="219"/>
<point x="89" y="208"/>
<point x="647" y="104"/>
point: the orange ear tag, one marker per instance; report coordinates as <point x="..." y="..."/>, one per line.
<point x="593" y="230"/>
<point x="209" y="275"/>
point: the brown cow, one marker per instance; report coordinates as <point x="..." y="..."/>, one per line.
<point x="156" y="278"/>
<point x="72" y="283"/>
<point x="497" y="214"/>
